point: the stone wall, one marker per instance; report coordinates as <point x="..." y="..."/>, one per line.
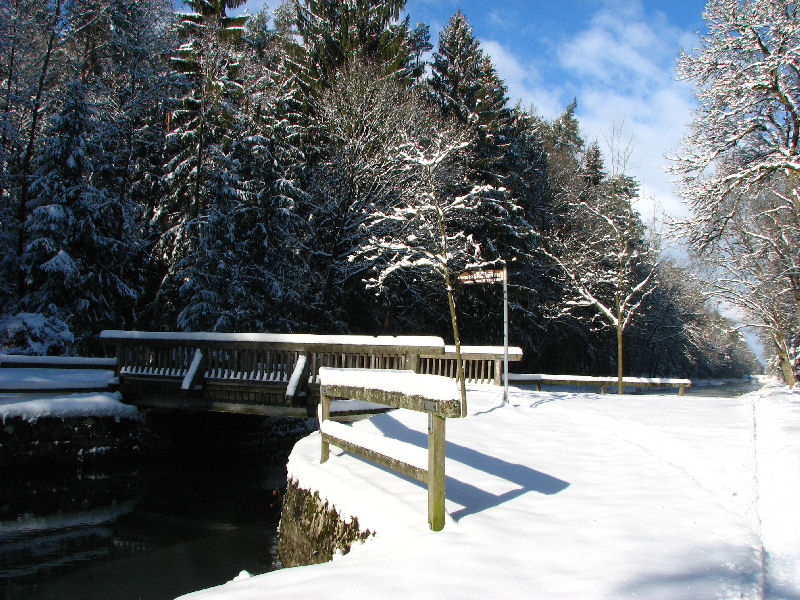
<point x="52" y="441"/>
<point x="311" y="531"/>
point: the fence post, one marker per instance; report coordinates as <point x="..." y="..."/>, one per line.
<point x="498" y="371"/>
<point x="436" y="451"/>
<point x="325" y="412"/>
<point x="412" y="362"/>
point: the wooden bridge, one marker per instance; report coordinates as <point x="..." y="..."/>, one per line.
<point x="273" y="374"/>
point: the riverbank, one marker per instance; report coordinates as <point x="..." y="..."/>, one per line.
<point x="49" y="430"/>
<point x="571" y="496"/>
<point x="99" y="500"/>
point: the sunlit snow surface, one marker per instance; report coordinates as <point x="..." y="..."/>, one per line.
<point x="565" y="495"/>
<point x="32" y="407"/>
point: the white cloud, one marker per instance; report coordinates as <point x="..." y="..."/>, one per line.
<point x="621" y="69"/>
<point x="523" y="80"/>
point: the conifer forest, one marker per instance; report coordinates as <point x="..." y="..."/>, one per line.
<point x="315" y="168"/>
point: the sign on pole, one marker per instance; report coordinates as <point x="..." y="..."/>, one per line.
<point x="494" y="276"/>
<point x="482" y="276"/>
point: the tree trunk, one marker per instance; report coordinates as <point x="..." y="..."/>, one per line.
<point x="618" y="327"/>
<point x="459" y="361"/>
<point x="620" y="387"/>
<point x="22" y="206"/>
<point x="782" y="350"/>
<point x="450" y="300"/>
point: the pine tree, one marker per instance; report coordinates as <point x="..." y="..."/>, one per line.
<point x="245" y="270"/>
<point x="334" y="32"/>
<point x="77" y="264"/>
<point x="467" y="88"/>
<point x="200" y="127"/>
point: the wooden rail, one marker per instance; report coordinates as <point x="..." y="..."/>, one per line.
<point x="602" y="382"/>
<point x="482" y="364"/>
<point x="56" y="374"/>
<point x="271" y="374"/>
<point x="433" y="394"/>
<point x="19" y="361"/>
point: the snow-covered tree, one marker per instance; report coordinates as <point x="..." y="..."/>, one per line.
<point x="743" y="142"/>
<point x="423" y="232"/>
<point x="201" y="127"/>
<point x="245" y="269"/>
<point x="682" y="333"/>
<point x="335" y="32"/>
<point x="31" y="78"/>
<point x="352" y="170"/>
<point x="747" y="270"/>
<point x="80" y="259"/>
<point x="600" y="252"/>
<point x="466" y="85"/>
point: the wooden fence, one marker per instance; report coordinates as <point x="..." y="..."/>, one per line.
<point x="274" y="374"/>
<point x="392" y="390"/>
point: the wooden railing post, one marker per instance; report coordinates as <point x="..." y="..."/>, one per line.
<point x="436" y="480"/>
<point x="324" y="414"/>
<point x="118" y="350"/>
<point x="498" y="371"/>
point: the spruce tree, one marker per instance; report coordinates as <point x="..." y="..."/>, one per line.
<point x="334" y="32"/>
<point x="244" y="270"/>
<point x="200" y="130"/>
<point x="81" y="251"/>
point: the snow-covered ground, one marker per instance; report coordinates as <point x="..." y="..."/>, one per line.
<point x="59" y="405"/>
<point x="568" y="495"/>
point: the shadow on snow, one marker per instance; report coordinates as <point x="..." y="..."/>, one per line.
<point x="471" y="497"/>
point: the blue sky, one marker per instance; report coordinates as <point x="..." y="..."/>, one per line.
<point x="616" y="57"/>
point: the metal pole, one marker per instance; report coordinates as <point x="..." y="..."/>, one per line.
<point x="505" y="334"/>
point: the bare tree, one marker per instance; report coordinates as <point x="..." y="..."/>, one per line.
<point x="739" y="162"/>
<point x="426" y="230"/>
<point x="601" y="253"/>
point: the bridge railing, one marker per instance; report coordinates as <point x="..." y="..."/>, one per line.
<point x="242" y="371"/>
<point x="482" y="364"/>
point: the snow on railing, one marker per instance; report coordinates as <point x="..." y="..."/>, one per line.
<point x="602" y="382"/>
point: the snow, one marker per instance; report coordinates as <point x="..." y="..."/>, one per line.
<point x="568" y="495"/>
<point x="545" y="378"/>
<point x="16" y="379"/>
<point x="31" y="407"/>
<point x="432" y="387"/>
<point x="61" y="361"/>
<point x="277" y="338"/>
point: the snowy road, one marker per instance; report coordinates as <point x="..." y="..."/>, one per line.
<point x="566" y="495"/>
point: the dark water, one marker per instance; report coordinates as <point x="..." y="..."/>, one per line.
<point x="148" y="531"/>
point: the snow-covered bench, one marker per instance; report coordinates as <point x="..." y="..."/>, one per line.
<point x="436" y="395"/>
<point x="602" y="382"/>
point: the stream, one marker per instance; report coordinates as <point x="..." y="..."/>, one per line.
<point x="151" y="530"/>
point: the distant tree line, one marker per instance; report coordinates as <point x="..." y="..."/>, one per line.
<point x="202" y="171"/>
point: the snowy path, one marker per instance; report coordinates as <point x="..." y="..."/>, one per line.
<point x="566" y="495"/>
